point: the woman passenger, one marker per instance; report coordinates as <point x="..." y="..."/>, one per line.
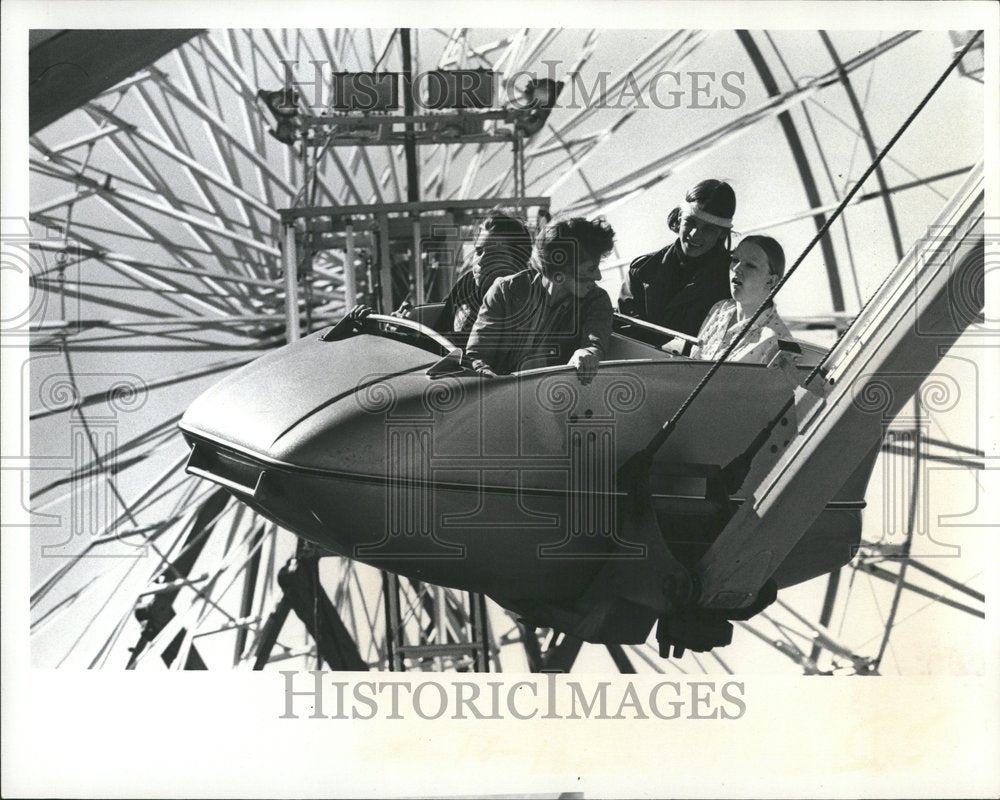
<point x="757" y="264"/>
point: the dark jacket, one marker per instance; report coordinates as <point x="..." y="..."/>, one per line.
<point x="668" y="289"/>
<point x="517" y="329"/>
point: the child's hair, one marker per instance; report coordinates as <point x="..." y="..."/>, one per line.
<point x="561" y="243"/>
<point x="774" y="252"/>
<point x="513" y="233"/>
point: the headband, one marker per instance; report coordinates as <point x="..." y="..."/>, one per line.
<point x="694" y="210"/>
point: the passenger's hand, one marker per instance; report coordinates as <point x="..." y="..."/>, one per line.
<point x="405" y="310"/>
<point x="675" y="347"/>
<point x="585" y="363"/>
<point x="783" y="360"/>
<point x="483" y="368"/>
<point x="788" y="364"/>
<point x="360" y="313"/>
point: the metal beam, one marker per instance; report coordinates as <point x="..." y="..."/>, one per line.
<point x="69" y="67"/>
<point x="866" y="134"/>
<point x="801" y="164"/>
<point x="860" y="198"/>
<point x="290" y="264"/>
<point x="406" y="208"/>
<point x="937" y="597"/>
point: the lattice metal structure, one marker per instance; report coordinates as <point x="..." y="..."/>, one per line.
<point x="157" y="247"/>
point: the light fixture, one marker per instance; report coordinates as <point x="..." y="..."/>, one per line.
<point x="459" y="88"/>
<point x="365" y="91"/>
<point x="540" y="95"/>
<point x="284" y="107"/>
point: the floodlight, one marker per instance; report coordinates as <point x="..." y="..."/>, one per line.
<point x="540" y="96"/>
<point x="460" y="88"/>
<point x="365" y="91"/>
<point x="284" y="107"/>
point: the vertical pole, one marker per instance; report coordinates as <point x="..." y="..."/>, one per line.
<point x="517" y="171"/>
<point x="246" y="601"/>
<point x="409" y="143"/>
<point x="350" y="284"/>
<point x="483" y="631"/>
<point x="391" y="597"/>
<point x="524" y="187"/>
<point x="291" y="265"/>
<point x="385" y="262"/>
<point x="440" y="618"/>
<point x="269" y="633"/>
<point x="390" y="649"/>
<point x="519" y="189"/>
<point x="418" y="263"/>
<point x="452" y="251"/>
<point x="410" y="150"/>
<point x="473" y="632"/>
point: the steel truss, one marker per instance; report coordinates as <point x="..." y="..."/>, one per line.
<point x="168" y="189"/>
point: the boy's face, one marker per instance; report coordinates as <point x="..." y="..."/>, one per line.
<point x="492" y="258"/>
<point x="588" y="273"/>
<point x="697" y="236"/>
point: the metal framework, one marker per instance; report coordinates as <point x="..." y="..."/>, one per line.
<point x="158" y="201"/>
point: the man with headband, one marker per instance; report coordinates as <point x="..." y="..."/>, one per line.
<point x="675" y="287"/>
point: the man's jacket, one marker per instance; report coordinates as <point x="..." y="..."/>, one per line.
<point x="669" y="289"/>
<point x="518" y="328"/>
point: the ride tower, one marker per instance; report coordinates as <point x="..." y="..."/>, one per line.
<point x="395" y="252"/>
